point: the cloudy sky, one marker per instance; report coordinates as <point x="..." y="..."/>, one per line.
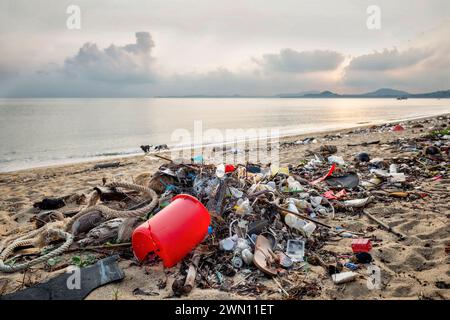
<point x="159" y="47"/>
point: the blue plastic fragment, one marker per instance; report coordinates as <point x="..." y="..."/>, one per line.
<point x="351" y="266"/>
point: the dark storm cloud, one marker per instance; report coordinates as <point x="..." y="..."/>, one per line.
<point x="388" y="59"/>
<point x="131" y="63"/>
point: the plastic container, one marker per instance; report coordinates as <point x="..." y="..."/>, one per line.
<point x="296" y="250"/>
<point x="173" y="232"/>
<point x="361" y="245"/>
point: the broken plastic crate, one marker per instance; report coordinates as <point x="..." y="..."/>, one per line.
<point x="173" y="232"/>
<point x="361" y="245"/>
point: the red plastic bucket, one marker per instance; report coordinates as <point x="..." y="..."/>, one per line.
<point x="173" y="232"/>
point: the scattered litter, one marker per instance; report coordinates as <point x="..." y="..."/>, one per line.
<point x="215" y="222"/>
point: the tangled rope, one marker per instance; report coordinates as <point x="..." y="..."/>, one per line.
<point x="62" y="229"/>
<point x="31" y="238"/>
<point x="111" y="213"/>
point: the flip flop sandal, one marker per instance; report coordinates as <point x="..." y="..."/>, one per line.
<point x="262" y="258"/>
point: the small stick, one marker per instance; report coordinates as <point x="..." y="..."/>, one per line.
<point x="239" y="282"/>
<point x="384" y="225"/>
<point x="281" y="287"/>
<point x="302" y="216"/>
<point x="170" y="160"/>
<point x="162" y="157"/>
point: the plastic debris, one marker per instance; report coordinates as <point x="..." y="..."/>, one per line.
<point x="296" y="250"/>
<point x="357" y="203"/>
<point x="344" y="277"/>
<point x="398" y="128"/>
<point x="361" y="245"/>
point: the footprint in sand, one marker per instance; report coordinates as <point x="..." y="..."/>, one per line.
<point x="438" y="234"/>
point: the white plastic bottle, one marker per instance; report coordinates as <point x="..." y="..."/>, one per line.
<point x="294" y="222"/>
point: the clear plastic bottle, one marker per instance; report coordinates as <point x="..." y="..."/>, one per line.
<point x="294" y="222"/>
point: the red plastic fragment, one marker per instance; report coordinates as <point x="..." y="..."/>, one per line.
<point x="398" y="128"/>
<point x="229" y="168"/>
<point x="330" y="172"/>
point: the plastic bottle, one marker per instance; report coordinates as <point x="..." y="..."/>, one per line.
<point x="294" y="222"/>
<point x="309" y="228"/>
<point x="294" y="185"/>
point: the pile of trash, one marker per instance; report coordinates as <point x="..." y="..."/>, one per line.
<point x="238" y="227"/>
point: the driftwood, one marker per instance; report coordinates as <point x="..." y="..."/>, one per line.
<point x="103" y="233"/>
<point x="106" y="165"/>
<point x="192" y="274"/>
<point x="182" y="286"/>
<point x="126" y="229"/>
<point x="363" y="144"/>
<point x="86" y="223"/>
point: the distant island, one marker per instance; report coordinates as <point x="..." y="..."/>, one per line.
<point x="380" y="93"/>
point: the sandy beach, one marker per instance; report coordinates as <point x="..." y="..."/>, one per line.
<point x="414" y="268"/>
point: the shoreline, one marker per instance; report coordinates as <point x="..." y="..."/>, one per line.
<point x="414" y="268"/>
<point x="282" y="138"/>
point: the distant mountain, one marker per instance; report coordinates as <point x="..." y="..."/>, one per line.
<point x="437" y="94"/>
<point x="386" y="92"/>
<point x="323" y="94"/>
<point x="296" y="95"/>
<point x="380" y="93"/>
